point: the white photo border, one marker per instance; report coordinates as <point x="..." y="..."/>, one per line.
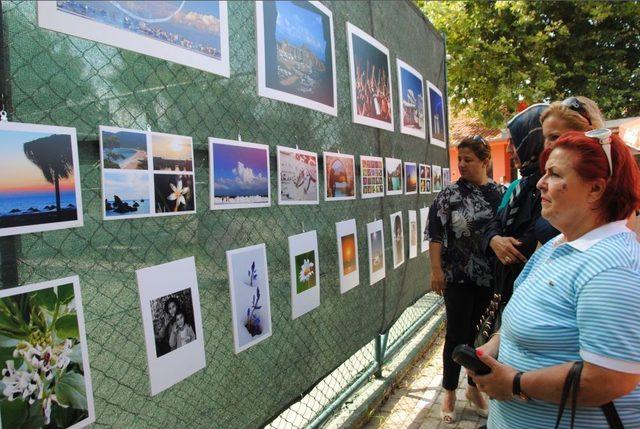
<point x="424" y="222"/>
<point x="422" y="134"/>
<point x="434" y="141"/>
<point x="324" y="163"/>
<point x="426" y="179"/>
<point x="404" y="169"/>
<point x="282" y="202"/>
<point x="308" y="300"/>
<point x="86" y="368"/>
<point x="71" y="132"/>
<point x="413" y="250"/>
<point x="351" y="280"/>
<point x="387" y="160"/>
<point x="265" y="91"/>
<point x="265" y="294"/>
<point x="362" y="185"/>
<point x="239" y="143"/>
<point x="393" y="238"/>
<point x="170" y="369"/>
<point x="359" y="119"/>
<point x="50" y="18"/>
<point x="376" y="225"/>
<point x="435" y="168"/>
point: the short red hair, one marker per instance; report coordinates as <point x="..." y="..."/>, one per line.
<point x="622" y="193"/>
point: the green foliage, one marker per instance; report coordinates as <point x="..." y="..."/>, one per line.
<point x="502" y="52"/>
<point x="70" y="391"/>
<point x="67" y="326"/>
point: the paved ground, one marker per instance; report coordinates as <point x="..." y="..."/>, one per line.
<point x="415" y="404"/>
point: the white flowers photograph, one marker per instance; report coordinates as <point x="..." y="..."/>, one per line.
<point x="45" y="374"/>
<point x="173" y="193"/>
<point x="305" y="273"/>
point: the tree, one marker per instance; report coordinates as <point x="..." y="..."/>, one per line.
<point x="53" y="155"/>
<point x="503" y="52"/>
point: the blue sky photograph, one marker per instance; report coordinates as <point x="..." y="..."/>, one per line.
<point x="412" y="82"/>
<point x="240" y="171"/>
<point x="299" y="26"/>
<point x="436" y="109"/>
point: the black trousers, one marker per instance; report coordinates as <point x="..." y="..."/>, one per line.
<point x="465" y="304"/>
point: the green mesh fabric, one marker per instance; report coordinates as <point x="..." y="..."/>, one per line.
<point x="52" y="78"/>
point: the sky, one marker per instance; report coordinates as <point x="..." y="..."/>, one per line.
<point x="412" y="82"/>
<point x="172" y="147"/>
<point x="240" y="168"/>
<point x="18" y="174"/>
<point x="128" y="185"/>
<point x="300" y="26"/>
<point x="411" y="170"/>
<point x="436" y="103"/>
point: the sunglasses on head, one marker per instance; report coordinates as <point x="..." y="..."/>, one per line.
<point x="480" y="139"/>
<point x="577" y="106"/>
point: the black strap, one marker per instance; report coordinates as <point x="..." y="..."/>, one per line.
<point x="612" y="416"/>
<point x="572" y="385"/>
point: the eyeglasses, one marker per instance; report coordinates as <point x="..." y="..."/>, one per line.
<point x="604" y="138"/>
<point x="577" y="106"/>
<point x="480" y="139"/>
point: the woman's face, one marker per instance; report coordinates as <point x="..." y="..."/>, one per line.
<point x="172" y="308"/>
<point x="511" y="150"/>
<point x="565" y="195"/>
<point x="470" y="166"/>
<point x="553" y="128"/>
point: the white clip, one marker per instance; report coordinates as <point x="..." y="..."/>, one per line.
<point x="303" y="230"/>
<point x="148" y="128"/>
<point x="297" y="147"/>
<point x="3" y="116"/>
<point x="239" y="137"/>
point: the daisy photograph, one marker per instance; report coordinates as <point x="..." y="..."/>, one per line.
<point x="305" y="273"/>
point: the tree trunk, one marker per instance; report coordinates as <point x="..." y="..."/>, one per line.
<point x="56" y="182"/>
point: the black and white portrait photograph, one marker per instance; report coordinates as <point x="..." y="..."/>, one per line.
<point x="172" y="321"/>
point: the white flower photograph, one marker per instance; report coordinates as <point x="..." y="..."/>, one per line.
<point x="305" y="273"/>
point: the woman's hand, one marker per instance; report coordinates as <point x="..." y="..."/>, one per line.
<point x="491" y="347"/>
<point x="438" y="282"/>
<point x="498" y="384"/>
<point x="505" y="250"/>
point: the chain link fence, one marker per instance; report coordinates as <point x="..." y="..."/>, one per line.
<point x="52" y="78"/>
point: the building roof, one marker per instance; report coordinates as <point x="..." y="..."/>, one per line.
<point x="462" y="125"/>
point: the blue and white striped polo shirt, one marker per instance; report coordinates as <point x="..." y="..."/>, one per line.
<point x="574" y="300"/>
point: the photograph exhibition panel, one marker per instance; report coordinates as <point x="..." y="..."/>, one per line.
<point x="348" y="265"/>
<point x="39" y="178"/>
<point x="411" y="100"/>
<point x="170" y="305"/>
<point x="146" y="174"/>
<point x="305" y="273"/>
<point x="296" y="54"/>
<point x="239" y="174"/>
<point x="370" y="72"/>
<point x="45" y="370"/>
<point x="191" y="33"/>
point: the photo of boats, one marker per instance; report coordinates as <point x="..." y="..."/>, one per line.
<point x="295" y="54"/>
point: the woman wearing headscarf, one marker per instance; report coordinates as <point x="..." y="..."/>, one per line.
<point x="515" y="231"/>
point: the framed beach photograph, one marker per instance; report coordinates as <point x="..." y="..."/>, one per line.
<point x="424" y="225"/>
<point x="375" y="242"/>
<point x="39" y="178"/>
<point x="393" y="169"/>
<point x="339" y="177"/>
<point x="413" y="234"/>
<point x="397" y="239"/>
<point x="297" y="176"/>
<point x="193" y="33"/>
<point x="305" y="273"/>
<point x="410" y="178"/>
<point x="436" y="178"/>
<point x="411" y="89"/>
<point x="172" y="322"/>
<point x="46" y="376"/>
<point x="371" y="177"/>
<point x="446" y="177"/>
<point x="296" y="54"/>
<point x="437" y="120"/>
<point x="424" y="177"/>
<point x="239" y="174"/>
<point x="348" y="265"/>
<point x="249" y="289"/>
<point x="371" y="90"/>
<point x="146" y="173"/>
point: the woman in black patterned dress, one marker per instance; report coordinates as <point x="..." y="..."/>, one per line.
<point x="460" y="270"/>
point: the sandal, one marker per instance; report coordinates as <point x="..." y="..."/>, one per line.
<point x="448" y="417"/>
<point x="482" y="412"/>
